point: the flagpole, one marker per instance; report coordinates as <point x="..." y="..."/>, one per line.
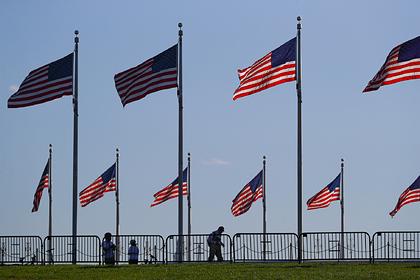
<point x="117" y="204"/>
<point x="189" y="206"/>
<point x="75" y="148"/>
<point x="264" y="212"/>
<point x="299" y="139"/>
<point x="50" y="205"/>
<point x="180" y="146"/>
<point x="342" y="208"/>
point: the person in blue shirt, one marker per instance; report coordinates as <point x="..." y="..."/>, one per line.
<point x="108" y="249"/>
<point x="133" y="253"/>
<point x="214" y="241"/>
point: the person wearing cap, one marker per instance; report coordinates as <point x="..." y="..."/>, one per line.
<point x="133" y="253"/>
<point x="108" y="248"/>
<point x="214" y="241"/>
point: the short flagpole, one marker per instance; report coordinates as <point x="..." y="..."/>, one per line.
<point x="75" y="145"/>
<point x="180" y="148"/>
<point x="117" y="204"/>
<point x="342" y="208"/>
<point x="299" y="139"/>
<point x="50" y="259"/>
<point x="264" y="211"/>
<point x="189" y="206"/>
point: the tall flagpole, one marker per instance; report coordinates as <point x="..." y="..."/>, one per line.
<point x="75" y="142"/>
<point x="189" y="207"/>
<point x="299" y="139"/>
<point x="50" y="205"/>
<point x="342" y="208"/>
<point x="180" y="147"/>
<point x="264" y="212"/>
<point x="117" y="204"/>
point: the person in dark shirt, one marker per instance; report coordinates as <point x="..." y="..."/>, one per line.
<point x="214" y="241"/>
<point x="133" y="253"/>
<point x="108" y="248"/>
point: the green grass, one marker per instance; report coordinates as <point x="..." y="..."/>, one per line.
<point x="217" y="271"/>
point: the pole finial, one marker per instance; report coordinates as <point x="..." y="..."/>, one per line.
<point x="76" y="38"/>
<point x="50" y="146"/>
<point x="298" y="23"/>
<point x="180" y="33"/>
<point x="299" y="18"/>
<point x="342" y="162"/>
<point x="117" y="150"/>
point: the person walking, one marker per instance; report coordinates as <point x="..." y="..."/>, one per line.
<point x="214" y="241"/>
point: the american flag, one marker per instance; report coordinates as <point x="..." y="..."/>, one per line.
<point x="250" y="193"/>
<point x="402" y="63"/>
<point x="277" y="67"/>
<point x="328" y="194"/>
<point x="44" y="84"/>
<point x="157" y="73"/>
<point x="411" y="194"/>
<point x="43" y="184"/>
<point x="171" y="191"/>
<point x="105" y="183"/>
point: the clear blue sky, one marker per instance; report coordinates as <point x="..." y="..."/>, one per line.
<point x="344" y="43"/>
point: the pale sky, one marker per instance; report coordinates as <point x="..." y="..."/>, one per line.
<point x="344" y="43"/>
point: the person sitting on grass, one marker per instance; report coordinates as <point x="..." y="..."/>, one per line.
<point x="108" y="248"/>
<point x="133" y="253"/>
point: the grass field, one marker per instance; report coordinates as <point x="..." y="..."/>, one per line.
<point x="217" y="271"/>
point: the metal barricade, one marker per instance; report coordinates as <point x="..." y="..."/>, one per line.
<point x="195" y="248"/>
<point x="323" y="246"/>
<point x="396" y="245"/>
<point x="88" y="249"/>
<point x="259" y="247"/>
<point x="151" y="248"/>
<point x="21" y="250"/>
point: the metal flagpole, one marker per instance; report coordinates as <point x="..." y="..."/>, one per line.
<point x="50" y="206"/>
<point x="180" y="147"/>
<point x="75" y="142"/>
<point x="189" y="207"/>
<point x="342" y="208"/>
<point x="117" y="205"/>
<point x="299" y="139"/>
<point x="264" y="212"/>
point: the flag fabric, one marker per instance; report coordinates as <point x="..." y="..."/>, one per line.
<point x="250" y="193"/>
<point x="328" y="194"/>
<point x="171" y="191"/>
<point x="277" y="67"/>
<point x="44" y="84"/>
<point x="411" y="194"/>
<point x="157" y="73"/>
<point x="43" y="184"/>
<point x="105" y="183"/>
<point x="402" y="63"/>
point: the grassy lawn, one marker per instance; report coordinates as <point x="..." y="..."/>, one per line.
<point x="217" y="271"/>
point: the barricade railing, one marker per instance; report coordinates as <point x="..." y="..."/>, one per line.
<point x="151" y="248"/>
<point x="195" y="248"/>
<point x="21" y="250"/>
<point x="88" y="249"/>
<point x="328" y="246"/>
<point x="259" y="247"/>
<point x="396" y="245"/>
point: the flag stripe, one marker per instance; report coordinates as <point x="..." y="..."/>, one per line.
<point x="325" y="196"/>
